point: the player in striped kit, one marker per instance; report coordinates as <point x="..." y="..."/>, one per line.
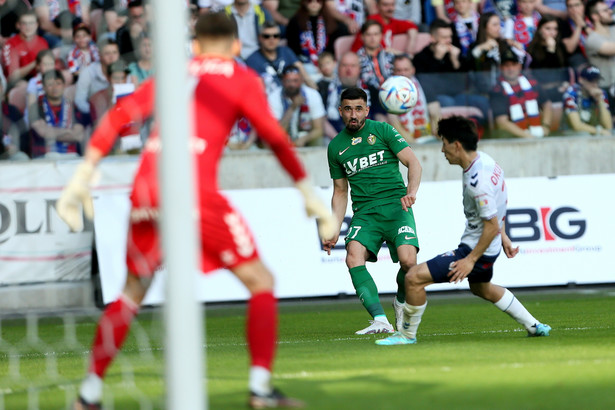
<point x="484" y="204"/>
<point x="224" y="92"/>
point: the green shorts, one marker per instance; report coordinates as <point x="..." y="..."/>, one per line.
<point x="383" y="223"/>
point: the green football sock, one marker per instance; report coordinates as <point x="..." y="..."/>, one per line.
<point x="366" y="290"/>
<point x="401" y="286"/>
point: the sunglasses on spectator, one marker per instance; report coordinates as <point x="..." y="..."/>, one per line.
<point x="268" y="36"/>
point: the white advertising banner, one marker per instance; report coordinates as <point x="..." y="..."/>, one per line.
<point x="559" y="224"/>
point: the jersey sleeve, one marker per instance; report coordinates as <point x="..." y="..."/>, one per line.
<point x="336" y="170"/>
<point x="256" y="109"/>
<point x="393" y="138"/>
<point x="133" y="108"/>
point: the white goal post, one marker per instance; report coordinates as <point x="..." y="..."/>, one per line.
<point x="185" y="374"/>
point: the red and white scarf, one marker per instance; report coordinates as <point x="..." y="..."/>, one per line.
<point x="78" y="59"/>
<point x="466" y="36"/>
<point x="524" y="34"/>
<point x="310" y="46"/>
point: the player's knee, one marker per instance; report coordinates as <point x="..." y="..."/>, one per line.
<point x="407" y="265"/>
<point x="413" y="278"/>
<point x="353" y="260"/>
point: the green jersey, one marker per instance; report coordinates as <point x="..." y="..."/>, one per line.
<point x="368" y="159"/>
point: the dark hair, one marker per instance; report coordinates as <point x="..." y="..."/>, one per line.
<point x="438" y="24"/>
<point x="370" y="23"/>
<point x="290" y="69"/>
<point x="135" y="3"/>
<point x="590" y="8"/>
<point x="215" y="25"/>
<point x="481" y="34"/>
<point x="53" y="75"/>
<point x="41" y="54"/>
<point x="268" y="24"/>
<point x="460" y="129"/>
<point x="400" y="57"/>
<point x="303" y="16"/>
<point x="118" y="66"/>
<point x="353" y="93"/>
<point x="81" y="27"/>
<point x="536" y="47"/>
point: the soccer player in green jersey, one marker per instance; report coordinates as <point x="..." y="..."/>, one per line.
<point x="366" y="156"/>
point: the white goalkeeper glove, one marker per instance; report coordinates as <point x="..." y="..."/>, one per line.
<point x="327" y="224"/>
<point x="75" y="195"/>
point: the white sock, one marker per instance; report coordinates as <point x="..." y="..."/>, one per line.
<point x="511" y="305"/>
<point x="91" y="389"/>
<point x="260" y="380"/>
<point x="412" y="318"/>
<point x="382" y="318"/>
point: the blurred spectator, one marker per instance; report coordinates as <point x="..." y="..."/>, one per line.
<point x="308" y="31"/>
<point x="600" y="45"/>
<point x="506" y="11"/>
<point x="144" y="66"/>
<point x="409" y="10"/>
<point x="94" y="78"/>
<point x="465" y="25"/>
<point x="84" y="52"/>
<point x="271" y="58"/>
<point x="10" y="10"/>
<point x="486" y="52"/>
<point x="136" y="27"/>
<point x="525" y="22"/>
<point x="350" y="14"/>
<point x="272" y="6"/>
<point x="390" y="27"/>
<point x="299" y="109"/>
<point x="442" y="70"/>
<point x="15" y="139"/>
<point x="348" y="75"/>
<point x="326" y="66"/>
<point x="574" y="31"/>
<point x="549" y="59"/>
<point x="421" y="120"/>
<point x="445" y="9"/>
<point x="519" y="106"/>
<point x="53" y="15"/>
<point x="52" y="120"/>
<point x="120" y="85"/>
<point x="114" y="13"/>
<point x="555" y="8"/>
<point x="376" y="62"/>
<point x="250" y="20"/>
<point x="45" y="61"/>
<point x="242" y="136"/>
<point x="586" y="105"/>
<point x="19" y="52"/>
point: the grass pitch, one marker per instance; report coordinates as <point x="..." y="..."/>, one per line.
<point x="469" y="356"/>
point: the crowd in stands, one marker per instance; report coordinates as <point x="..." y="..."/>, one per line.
<point x="519" y="68"/>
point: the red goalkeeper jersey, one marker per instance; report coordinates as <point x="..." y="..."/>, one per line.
<point x="224" y="91"/>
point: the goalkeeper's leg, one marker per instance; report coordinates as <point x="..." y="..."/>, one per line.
<point x="113" y="327"/>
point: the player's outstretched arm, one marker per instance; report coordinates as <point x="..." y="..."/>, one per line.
<point x="327" y="223"/>
<point x="339" y="202"/>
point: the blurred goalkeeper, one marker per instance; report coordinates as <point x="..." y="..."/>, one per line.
<point x="224" y="92"/>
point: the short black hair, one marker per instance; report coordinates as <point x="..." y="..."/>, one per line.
<point x="438" y="24"/>
<point x="53" y="75"/>
<point x="370" y="23"/>
<point x="353" y="93"/>
<point x="460" y="129"/>
<point x="215" y="25"/>
<point x="590" y="8"/>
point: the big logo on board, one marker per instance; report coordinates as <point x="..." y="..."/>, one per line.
<point x="550" y="224"/>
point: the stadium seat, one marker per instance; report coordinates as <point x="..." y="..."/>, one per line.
<point x="422" y="40"/>
<point x="17" y="96"/>
<point x="341" y="45"/>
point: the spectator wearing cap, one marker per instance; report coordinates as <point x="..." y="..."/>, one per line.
<point x="519" y="105"/>
<point x="85" y="51"/>
<point x="271" y="59"/>
<point x="586" y="105"/>
<point x="299" y="109"/>
<point x="600" y="44"/>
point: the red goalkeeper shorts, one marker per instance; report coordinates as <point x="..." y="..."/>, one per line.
<point x="225" y="238"/>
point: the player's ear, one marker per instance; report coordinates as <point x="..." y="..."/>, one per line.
<point x="236" y="47"/>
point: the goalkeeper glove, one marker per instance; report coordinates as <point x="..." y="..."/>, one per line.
<point x="77" y="194"/>
<point x="327" y="224"/>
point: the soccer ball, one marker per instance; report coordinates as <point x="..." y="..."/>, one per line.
<point x="398" y="94"/>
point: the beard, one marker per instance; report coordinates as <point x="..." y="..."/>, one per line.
<point x="355" y="125"/>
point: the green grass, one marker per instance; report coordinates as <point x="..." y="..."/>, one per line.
<point x="469" y="356"/>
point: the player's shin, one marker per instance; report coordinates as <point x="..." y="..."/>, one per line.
<point x="412" y="319"/>
<point x="262" y="318"/>
<point x="510" y="304"/>
<point x="367" y="292"/>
